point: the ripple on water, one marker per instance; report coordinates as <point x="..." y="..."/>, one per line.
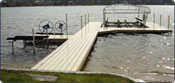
<point x="130" y="52"/>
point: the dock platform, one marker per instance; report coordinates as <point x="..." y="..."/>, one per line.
<point x="40" y="37"/>
<point x="152" y="28"/>
<point x="71" y="55"/>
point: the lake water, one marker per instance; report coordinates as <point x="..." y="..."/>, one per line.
<point x="143" y="56"/>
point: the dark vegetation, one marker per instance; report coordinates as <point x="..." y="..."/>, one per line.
<point x="10" y="3"/>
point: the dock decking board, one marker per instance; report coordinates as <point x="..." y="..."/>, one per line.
<point x="67" y="56"/>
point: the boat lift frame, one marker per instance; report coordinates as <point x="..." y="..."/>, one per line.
<point x="126" y="9"/>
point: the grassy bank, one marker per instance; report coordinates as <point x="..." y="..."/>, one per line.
<point x="24" y="76"/>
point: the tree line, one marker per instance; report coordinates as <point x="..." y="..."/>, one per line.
<point x="78" y="2"/>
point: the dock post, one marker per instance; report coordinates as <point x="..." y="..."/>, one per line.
<point x="81" y="26"/>
<point x="13" y="52"/>
<point x="54" y="27"/>
<point x="160" y="20"/>
<point x="168" y="22"/>
<point x="104" y="18"/>
<point x="47" y="38"/>
<point x="139" y="12"/>
<point x="153" y="20"/>
<point x="67" y="43"/>
<point x="33" y="41"/>
<point x="85" y="23"/>
<point x="66" y="27"/>
<point x="24" y="43"/>
<point x="88" y="22"/>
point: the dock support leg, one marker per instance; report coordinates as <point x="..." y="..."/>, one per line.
<point x="153" y="20"/>
<point x="88" y="22"/>
<point x="160" y="20"/>
<point x="81" y="26"/>
<point x="33" y="41"/>
<point x="66" y="27"/>
<point x="168" y="22"/>
<point x="47" y="43"/>
<point x="47" y="39"/>
<point x="13" y="52"/>
<point x="85" y="23"/>
<point x="24" y="43"/>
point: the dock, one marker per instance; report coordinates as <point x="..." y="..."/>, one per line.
<point x="72" y="50"/>
<point x="58" y="38"/>
<point x="71" y="55"/>
<point x="40" y="37"/>
<point x="40" y="40"/>
<point x="151" y="28"/>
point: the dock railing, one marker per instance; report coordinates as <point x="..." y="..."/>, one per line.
<point x="160" y="22"/>
<point x="86" y="21"/>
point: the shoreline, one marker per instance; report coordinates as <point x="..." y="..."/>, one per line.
<point x="76" y="5"/>
<point x="119" y="76"/>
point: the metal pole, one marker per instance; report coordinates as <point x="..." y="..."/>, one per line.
<point x="144" y="18"/>
<point x="85" y="19"/>
<point x="67" y="35"/>
<point x="47" y="31"/>
<point x="13" y="52"/>
<point x="81" y="26"/>
<point x="160" y="20"/>
<point x="47" y="38"/>
<point x="33" y="41"/>
<point x="154" y="19"/>
<point x="139" y="12"/>
<point x="104" y="17"/>
<point x="61" y="31"/>
<point x="168" y="22"/>
<point x="66" y="27"/>
<point x="85" y="23"/>
<point x="54" y="30"/>
<point x="24" y="43"/>
<point x="88" y="21"/>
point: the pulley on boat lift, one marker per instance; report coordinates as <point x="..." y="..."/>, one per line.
<point x="60" y="26"/>
<point x="45" y="25"/>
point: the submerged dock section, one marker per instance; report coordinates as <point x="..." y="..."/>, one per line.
<point x="71" y="55"/>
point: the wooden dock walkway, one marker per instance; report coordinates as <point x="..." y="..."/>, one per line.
<point x="152" y="28"/>
<point x="71" y="55"/>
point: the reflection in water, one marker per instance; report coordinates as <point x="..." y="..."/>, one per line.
<point x="145" y="56"/>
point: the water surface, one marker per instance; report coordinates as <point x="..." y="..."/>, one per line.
<point x="142" y="56"/>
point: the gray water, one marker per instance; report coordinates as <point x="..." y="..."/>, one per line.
<point x="142" y="56"/>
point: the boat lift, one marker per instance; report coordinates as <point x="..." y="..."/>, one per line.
<point x="47" y="34"/>
<point x="126" y="9"/>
